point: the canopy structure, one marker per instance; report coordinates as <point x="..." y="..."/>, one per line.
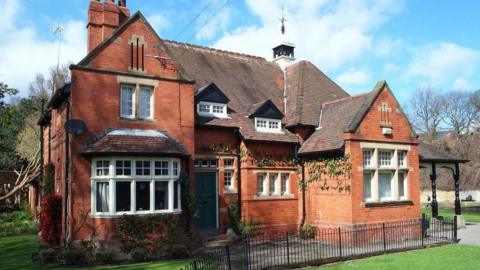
<point x="431" y="159"/>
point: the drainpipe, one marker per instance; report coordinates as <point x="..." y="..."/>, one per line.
<point x="239" y="176"/>
<point x="66" y="197"/>
<point x="42" y="146"/>
<point x="304" y="211"/>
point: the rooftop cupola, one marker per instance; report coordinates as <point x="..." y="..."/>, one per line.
<point x="284" y="53"/>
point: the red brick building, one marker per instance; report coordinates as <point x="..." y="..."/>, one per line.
<point x="142" y="109"/>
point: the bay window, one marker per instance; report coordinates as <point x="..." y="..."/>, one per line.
<point x="385" y="172"/>
<point x="135" y="186"/>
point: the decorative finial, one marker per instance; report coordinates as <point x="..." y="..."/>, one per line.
<point x="283" y="20"/>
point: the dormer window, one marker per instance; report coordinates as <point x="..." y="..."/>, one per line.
<point x="268" y="125"/>
<point x="211" y="102"/>
<point x="210" y="109"/>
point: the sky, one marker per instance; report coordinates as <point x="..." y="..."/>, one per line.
<point x="411" y="44"/>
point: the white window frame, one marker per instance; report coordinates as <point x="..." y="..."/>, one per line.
<point x="142" y="88"/>
<point x="210" y="112"/>
<point x="277" y="186"/>
<point x="230" y="186"/>
<point x="113" y="179"/>
<point x="267" y="128"/>
<point x="375" y="168"/>
<point x="129" y="116"/>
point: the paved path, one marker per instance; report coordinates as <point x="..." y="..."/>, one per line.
<point x="470" y="235"/>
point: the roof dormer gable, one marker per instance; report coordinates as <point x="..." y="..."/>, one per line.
<point x="211" y="93"/>
<point x="266" y="109"/>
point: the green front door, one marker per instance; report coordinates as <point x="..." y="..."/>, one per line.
<point x="206" y="193"/>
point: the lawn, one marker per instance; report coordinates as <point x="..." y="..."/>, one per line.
<point x="449" y="257"/>
<point x="471" y="214"/>
<point x="16" y="252"/>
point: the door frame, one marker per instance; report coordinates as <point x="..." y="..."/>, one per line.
<point x="217" y="210"/>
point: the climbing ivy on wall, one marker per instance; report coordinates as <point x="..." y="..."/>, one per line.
<point x="326" y="170"/>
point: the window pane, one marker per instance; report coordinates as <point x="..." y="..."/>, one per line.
<point x="227" y="179"/>
<point x="176" y="192"/>
<point x="126" y="100"/>
<point x="402" y="158"/>
<point x="385" y="158"/>
<point x="385" y="184"/>
<point x="161" y="167"/>
<point x="260" y="183"/>
<point x="102" y="168"/>
<point x="204" y="108"/>
<point x="161" y="195"/>
<point x="122" y="196"/>
<point x="261" y="123"/>
<point x="102" y="196"/>
<point x="367" y="185"/>
<point x="271" y="183"/>
<point x="145" y="103"/>
<point x="213" y="163"/>
<point x="142" y="195"/>
<point x="217" y="109"/>
<point x="367" y="158"/>
<point x="273" y="125"/>
<point x="401" y="184"/>
<point x="123" y="168"/>
<point x="175" y="168"/>
<point x="142" y="167"/>
<point x="285" y="178"/>
<point x="228" y="163"/>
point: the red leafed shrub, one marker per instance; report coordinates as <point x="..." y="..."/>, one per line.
<point x="50" y="218"/>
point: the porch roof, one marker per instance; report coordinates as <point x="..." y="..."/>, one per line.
<point x="135" y="142"/>
<point x="429" y="153"/>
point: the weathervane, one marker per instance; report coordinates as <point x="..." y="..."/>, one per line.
<point x="283" y="20"/>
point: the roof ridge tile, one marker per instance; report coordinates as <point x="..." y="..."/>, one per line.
<point x="205" y="48"/>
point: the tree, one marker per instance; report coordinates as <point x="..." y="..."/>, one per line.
<point x="426" y="112"/>
<point x="475" y="101"/>
<point x="28" y="148"/>
<point x="4" y="91"/>
<point x="459" y="112"/>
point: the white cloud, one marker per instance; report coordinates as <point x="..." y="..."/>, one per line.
<point x="329" y="33"/>
<point x="212" y="23"/>
<point x="23" y="53"/>
<point x="443" y="62"/>
<point x="461" y="84"/>
<point x="159" y="22"/>
<point x="353" y="78"/>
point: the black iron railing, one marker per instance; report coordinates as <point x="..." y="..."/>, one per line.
<point x="328" y="245"/>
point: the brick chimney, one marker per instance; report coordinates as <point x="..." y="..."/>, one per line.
<point x="103" y="19"/>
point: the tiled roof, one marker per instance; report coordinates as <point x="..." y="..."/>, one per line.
<point x="336" y="116"/>
<point x="244" y="79"/>
<point x="430" y="153"/>
<point x="246" y="128"/>
<point x="131" y="141"/>
<point x="307" y="88"/>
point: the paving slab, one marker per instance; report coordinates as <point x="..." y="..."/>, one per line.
<point x="470" y="235"/>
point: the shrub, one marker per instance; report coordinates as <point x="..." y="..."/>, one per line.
<point x="177" y="251"/>
<point x="132" y="232"/>
<point x="234" y="217"/>
<point x="307" y="231"/>
<point x="104" y="255"/>
<point x="47" y="256"/>
<point x="50" y="218"/>
<point x="75" y="257"/>
<point x="17" y="222"/>
<point x="139" y="255"/>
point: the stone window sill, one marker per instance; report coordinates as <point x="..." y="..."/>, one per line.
<point x="174" y="212"/>
<point x="274" y="197"/>
<point x="138" y="120"/>
<point x="230" y="191"/>
<point x="386" y="204"/>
